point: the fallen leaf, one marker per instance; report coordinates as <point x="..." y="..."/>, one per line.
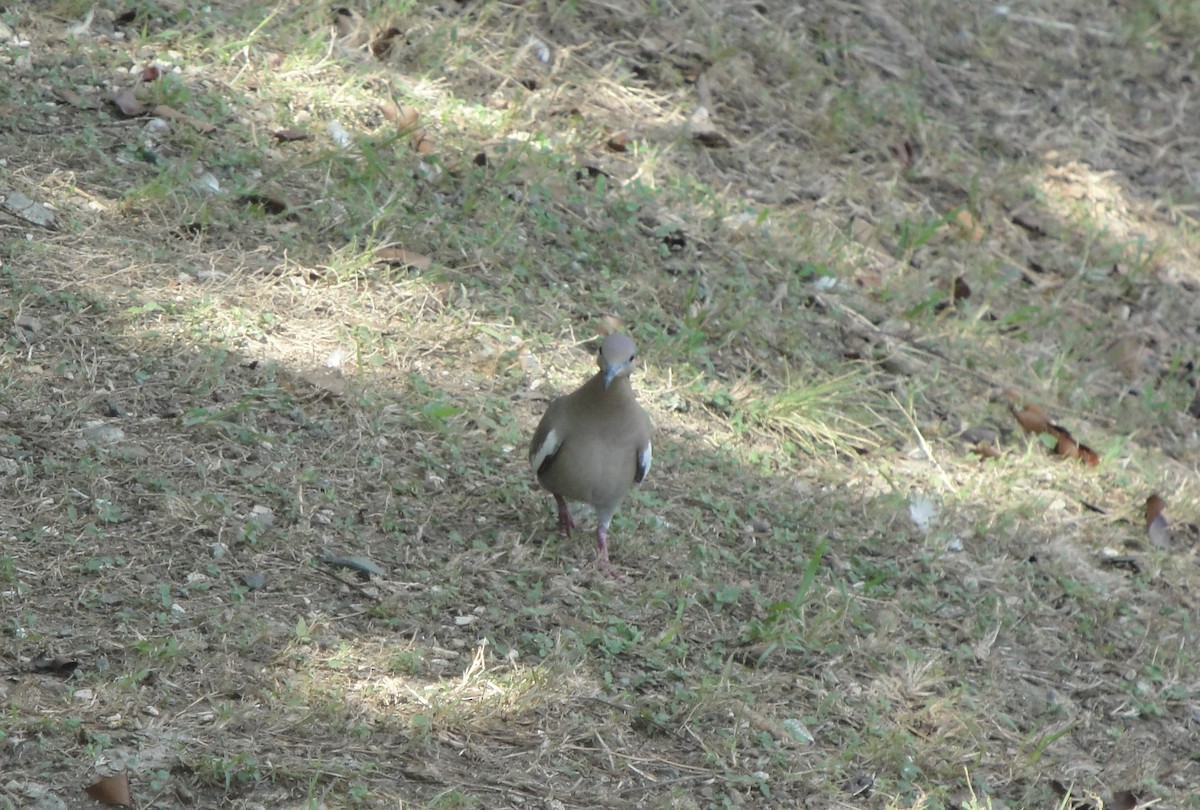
<point x="75" y="99"/>
<point x="400" y="257"/>
<point x="113" y="790"/>
<point x="382" y="44"/>
<point x="985" y="450"/>
<point x="422" y="143"/>
<point x="151" y="73"/>
<point x="360" y="565"/>
<point x="1088" y="456"/>
<point x="287" y="135"/>
<point x="1031" y="418"/>
<point x="1156" y="523"/>
<point x="1029" y="223"/>
<point x="608" y="325"/>
<point x="164" y="111"/>
<point x="1154" y="508"/>
<point x="712" y="139"/>
<point x="619" y="142"/>
<point x="968" y="226"/>
<point x="702" y="130"/>
<point x="125" y="101"/>
<point x="407" y="118"/>
<point x="962" y="291"/>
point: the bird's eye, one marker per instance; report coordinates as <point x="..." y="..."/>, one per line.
<point x="631" y="357"/>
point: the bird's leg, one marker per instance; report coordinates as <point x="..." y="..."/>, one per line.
<point x="602" y="548"/>
<point x="565" y="523"/>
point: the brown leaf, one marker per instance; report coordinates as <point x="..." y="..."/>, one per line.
<point x="1154" y="508"/>
<point x="608" y="325"/>
<point x="1031" y="418"/>
<point x="389" y="110"/>
<point x="151" y="73"/>
<point x="712" y="139"/>
<point x="400" y="257"/>
<point x="985" y="451"/>
<point x="1029" y="223"/>
<point x="619" y="142"/>
<point x="1156" y="523"/>
<point x="1088" y="456"/>
<point x="163" y="111"/>
<point x="407" y="118"/>
<point x="286" y="135"/>
<point x="127" y="103"/>
<point x="112" y="790"/>
<point x="962" y="291"/>
<point x="422" y="143"/>
<point x="75" y="99"/>
<point x="382" y="44"/>
<point x="969" y="227"/>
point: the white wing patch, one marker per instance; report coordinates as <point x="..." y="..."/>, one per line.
<point x="549" y="447"/>
<point x="644" y="458"/>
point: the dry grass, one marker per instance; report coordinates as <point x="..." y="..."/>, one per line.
<point x="828" y="600"/>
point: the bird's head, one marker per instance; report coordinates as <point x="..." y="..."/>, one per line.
<point x="616" y="357"/>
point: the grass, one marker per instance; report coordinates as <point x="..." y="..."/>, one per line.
<point x="226" y="379"/>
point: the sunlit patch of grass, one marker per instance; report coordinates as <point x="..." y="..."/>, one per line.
<point x="835" y="414"/>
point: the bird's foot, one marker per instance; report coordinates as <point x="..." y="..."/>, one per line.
<point x="565" y="522"/>
<point x="602" y="562"/>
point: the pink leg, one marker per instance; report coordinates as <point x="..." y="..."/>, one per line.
<point x="602" y="562"/>
<point x="602" y="546"/>
<point x="565" y="522"/>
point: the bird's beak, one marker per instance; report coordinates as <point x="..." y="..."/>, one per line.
<point x="610" y="374"/>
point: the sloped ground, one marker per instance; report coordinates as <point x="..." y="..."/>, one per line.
<point x="220" y="372"/>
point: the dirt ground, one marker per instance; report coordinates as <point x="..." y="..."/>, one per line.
<point x="280" y="321"/>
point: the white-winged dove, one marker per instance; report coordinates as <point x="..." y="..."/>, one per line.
<point x="593" y="444"/>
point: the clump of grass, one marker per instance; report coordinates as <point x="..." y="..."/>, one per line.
<point x="824" y="415"/>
